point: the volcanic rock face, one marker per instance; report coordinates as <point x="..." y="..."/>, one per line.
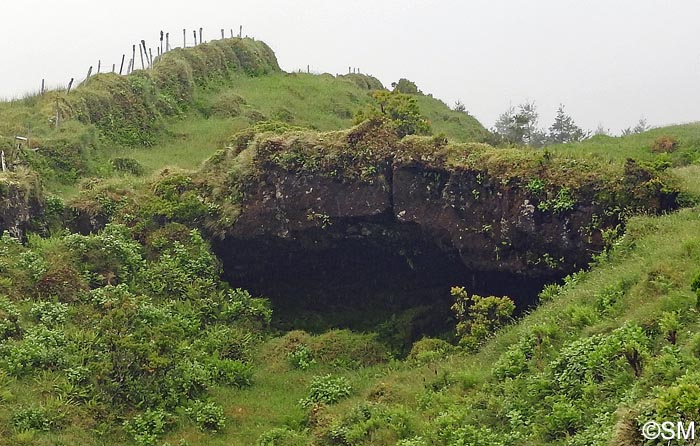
<point x="342" y="211"/>
<point x="426" y="217"/>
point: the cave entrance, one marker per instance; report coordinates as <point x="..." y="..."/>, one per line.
<point x="396" y="284"/>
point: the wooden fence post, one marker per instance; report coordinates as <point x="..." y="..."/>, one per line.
<point x="222" y="34"/>
<point x="195" y="37"/>
<point x="167" y="42"/>
<point x="150" y="55"/>
<point x="121" y="67"/>
<point x="240" y="32"/>
<point x="43" y="83"/>
<point x="133" y="57"/>
<point x="89" y="73"/>
<point x="70" y="84"/>
<point x="200" y="36"/>
<point x="143" y="66"/>
<point x="184" y="38"/>
<point x="99" y="65"/>
<point x="232" y="33"/>
<point x="161" y="43"/>
<point x="114" y="67"/>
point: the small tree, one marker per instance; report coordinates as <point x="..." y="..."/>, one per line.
<point x="564" y="129"/>
<point x="639" y="128"/>
<point x="520" y="127"/>
<point x="400" y="110"/>
<point x="600" y="130"/>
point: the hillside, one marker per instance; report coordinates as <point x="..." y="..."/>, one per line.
<point x="214" y="252"/>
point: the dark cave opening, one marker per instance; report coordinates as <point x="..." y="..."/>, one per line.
<point x="367" y="277"/>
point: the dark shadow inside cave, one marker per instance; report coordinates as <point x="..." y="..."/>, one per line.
<point x="366" y="277"/>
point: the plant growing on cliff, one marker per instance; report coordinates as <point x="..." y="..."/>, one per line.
<point x="478" y="317"/>
<point x="400" y="110"/>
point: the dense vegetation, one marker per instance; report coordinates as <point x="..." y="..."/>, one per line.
<point x="122" y="331"/>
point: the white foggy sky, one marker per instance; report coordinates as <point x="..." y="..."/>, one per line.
<point x="608" y="61"/>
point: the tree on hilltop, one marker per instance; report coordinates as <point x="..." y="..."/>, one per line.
<point x="520" y="127"/>
<point x="564" y="129"/>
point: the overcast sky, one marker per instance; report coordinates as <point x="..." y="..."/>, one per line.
<point x="608" y="61"/>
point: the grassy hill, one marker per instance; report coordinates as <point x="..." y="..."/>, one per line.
<point x="129" y="336"/>
<point x="186" y="108"/>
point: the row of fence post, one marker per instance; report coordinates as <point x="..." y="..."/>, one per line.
<point x="146" y="54"/>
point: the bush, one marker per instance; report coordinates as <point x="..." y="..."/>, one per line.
<point x="49" y="313"/>
<point x="145" y="429"/>
<point x="282" y="436"/>
<point x="301" y="357"/>
<point x="208" y="416"/>
<point x="38" y="418"/>
<point x="550" y="292"/>
<point x="9" y="319"/>
<point x="478" y="317"/>
<point x="326" y="389"/>
<point x="41" y="349"/>
<point x="664" y="144"/>
<point x="231" y="373"/>
<point x="430" y="349"/>
<point x="680" y="401"/>
<point x="128" y="165"/>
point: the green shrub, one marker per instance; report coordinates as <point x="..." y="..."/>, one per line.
<point x="478" y="317"/>
<point x="669" y="325"/>
<point x="301" y="357"/>
<point x="208" y="416"/>
<point x="39" y="418"/>
<point x="367" y="423"/>
<point x="430" y="349"/>
<point x="680" y="401"/>
<point x="326" y="389"/>
<point x="128" y="165"/>
<point x="452" y="428"/>
<point x="231" y="373"/>
<point x="536" y="187"/>
<point x="145" y="429"/>
<point x="550" y="292"/>
<point x="695" y="286"/>
<point x="563" y="420"/>
<point x="9" y="319"/>
<point x="399" y="110"/>
<point x="50" y="314"/>
<point x="108" y="257"/>
<point x="608" y="298"/>
<point x="282" y="436"/>
<point x="40" y="349"/>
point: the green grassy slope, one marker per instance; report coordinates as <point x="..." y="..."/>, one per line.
<point x="171" y="352"/>
<point x="184" y="109"/>
<point x="639" y="146"/>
